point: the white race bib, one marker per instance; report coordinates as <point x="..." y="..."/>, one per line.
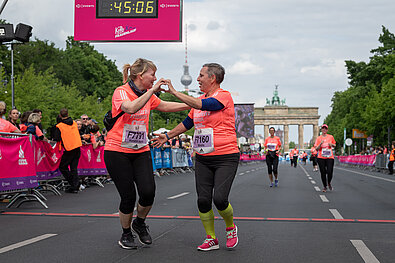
<point x="203" y="140"/>
<point x="271" y="146"/>
<point x="326" y="152"/>
<point x="134" y="136"/>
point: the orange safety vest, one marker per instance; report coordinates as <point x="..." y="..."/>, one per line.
<point x="392" y="156"/>
<point x="70" y="135"/>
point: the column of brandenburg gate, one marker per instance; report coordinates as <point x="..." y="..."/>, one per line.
<point x="284" y="115"/>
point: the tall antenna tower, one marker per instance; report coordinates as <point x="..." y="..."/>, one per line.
<point x="186" y="79"/>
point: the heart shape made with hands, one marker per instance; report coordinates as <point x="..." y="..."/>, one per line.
<point x="164" y="87"/>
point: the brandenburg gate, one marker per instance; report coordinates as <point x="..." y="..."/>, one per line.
<point x="276" y="113"/>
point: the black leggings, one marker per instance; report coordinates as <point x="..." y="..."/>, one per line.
<point x="272" y="163"/>
<point x="295" y="160"/>
<point x="129" y="170"/>
<point x="215" y="174"/>
<point x="314" y="160"/>
<point x="326" y="168"/>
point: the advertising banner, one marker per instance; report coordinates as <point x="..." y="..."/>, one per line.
<point x="367" y="160"/>
<point x="357" y="134"/>
<point x="18" y="169"/>
<point x="244" y="116"/>
<point x="91" y="161"/>
<point x="47" y="160"/>
<point x="179" y="157"/>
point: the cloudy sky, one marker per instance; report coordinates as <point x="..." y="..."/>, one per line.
<point x="301" y="45"/>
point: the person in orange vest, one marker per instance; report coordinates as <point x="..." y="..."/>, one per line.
<point x="392" y="159"/>
<point x="67" y="133"/>
<point x="294" y="160"/>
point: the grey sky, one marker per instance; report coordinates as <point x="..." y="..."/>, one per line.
<point x="299" y="45"/>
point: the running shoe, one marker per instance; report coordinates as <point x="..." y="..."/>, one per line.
<point x="330" y="187"/>
<point x="142" y="233"/>
<point x="209" y="244"/>
<point x="271" y="184"/>
<point x="275" y="183"/>
<point x="127" y="241"/>
<point x="324" y="189"/>
<point x="231" y="237"/>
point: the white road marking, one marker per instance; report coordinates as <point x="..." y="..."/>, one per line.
<point x="368" y="175"/>
<point x="26" y="242"/>
<point x="317" y="188"/>
<point x="324" y="199"/>
<point x="313" y="182"/>
<point x="247" y="172"/>
<point x="179" y="195"/>
<point x="336" y="214"/>
<point x="364" y="251"/>
<point x="241" y="173"/>
<point x="310" y="178"/>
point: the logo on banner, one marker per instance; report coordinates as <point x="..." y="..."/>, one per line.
<point x="98" y="160"/>
<point x="0" y="155"/>
<point x="40" y="157"/>
<point x="89" y="155"/>
<point x="121" y="31"/>
<point x="5" y="184"/>
<point x="20" y="183"/>
<point x="33" y="181"/>
<point x="54" y="158"/>
<point x="22" y="160"/>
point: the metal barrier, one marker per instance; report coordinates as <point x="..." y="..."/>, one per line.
<point x="382" y="161"/>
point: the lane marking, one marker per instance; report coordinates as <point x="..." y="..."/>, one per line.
<point x="26" y="242"/>
<point x="324" y="199"/>
<point x="310" y="178"/>
<point x="247" y="172"/>
<point x="179" y="195"/>
<point x="364" y="251"/>
<point x="198" y="218"/>
<point x="317" y="188"/>
<point x="313" y="182"/>
<point x="368" y="175"/>
<point x="336" y="214"/>
<point x="241" y="173"/>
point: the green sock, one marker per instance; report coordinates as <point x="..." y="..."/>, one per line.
<point x="227" y="215"/>
<point x="208" y="222"/>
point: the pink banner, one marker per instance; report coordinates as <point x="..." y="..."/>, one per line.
<point x="367" y="160"/>
<point x="91" y="161"/>
<point x="18" y="170"/>
<point x="249" y="158"/>
<point x="47" y="160"/>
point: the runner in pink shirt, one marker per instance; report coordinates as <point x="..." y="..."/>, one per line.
<point x="126" y="152"/>
<point x="217" y="154"/>
<point x="272" y="148"/>
<point x="324" y="145"/>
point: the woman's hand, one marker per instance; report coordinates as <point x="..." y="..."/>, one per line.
<point x="157" y="87"/>
<point x="158" y="141"/>
<point x="171" y="89"/>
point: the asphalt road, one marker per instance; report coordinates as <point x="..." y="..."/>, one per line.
<point x="294" y="222"/>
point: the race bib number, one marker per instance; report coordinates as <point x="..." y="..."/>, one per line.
<point x="271" y="146"/>
<point x="134" y="136"/>
<point x="203" y="140"/>
<point x="326" y="152"/>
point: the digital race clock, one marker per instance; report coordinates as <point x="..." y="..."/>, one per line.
<point x="128" y="20"/>
<point x="126" y="8"/>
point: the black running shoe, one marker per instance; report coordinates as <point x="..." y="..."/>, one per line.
<point x="127" y="241"/>
<point x="142" y="233"/>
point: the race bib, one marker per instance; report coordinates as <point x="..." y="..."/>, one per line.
<point x="271" y="146"/>
<point x="134" y="136"/>
<point x="203" y="140"/>
<point x="326" y="152"/>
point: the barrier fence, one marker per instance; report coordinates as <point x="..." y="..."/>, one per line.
<point x="379" y="161"/>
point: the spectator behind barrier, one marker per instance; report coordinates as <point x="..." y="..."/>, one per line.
<point x="6" y="126"/>
<point x="13" y="117"/>
<point x="40" y="113"/>
<point x="24" y="121"/>
<point x="32" y="126"/>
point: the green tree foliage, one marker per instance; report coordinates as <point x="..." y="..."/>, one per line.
<point x="78" y="78"/>
<point x="368" y="104"/>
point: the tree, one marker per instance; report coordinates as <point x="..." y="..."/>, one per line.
<point x="369" y="101"/>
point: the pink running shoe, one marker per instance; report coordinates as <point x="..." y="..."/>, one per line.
<point x="231" y="237"/>
<point x="209" y="244"/>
